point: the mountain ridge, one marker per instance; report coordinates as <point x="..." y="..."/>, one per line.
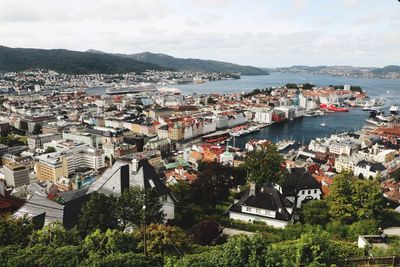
<point x="68" y="61"/>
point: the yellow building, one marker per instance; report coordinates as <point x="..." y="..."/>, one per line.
<point x="51" y="167"/>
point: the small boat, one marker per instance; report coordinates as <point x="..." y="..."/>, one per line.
<point x="374" y="111"/>
<point x="394" y="110"/>
<point x="323" y="124"/>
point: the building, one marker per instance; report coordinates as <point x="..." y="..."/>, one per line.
<point x="142" y="174"/>
<point x="300" y="187"/>
<point x="37" y="141"/>
<point x="262" y="204"/>
<point x="57" y="165"/>
<point x="15" y="174"/>
<point x="370" y="169"/>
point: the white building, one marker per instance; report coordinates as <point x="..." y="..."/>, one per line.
<point x="262" y="204"/>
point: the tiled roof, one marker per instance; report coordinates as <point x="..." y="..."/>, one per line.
<point x="37" y="205"/>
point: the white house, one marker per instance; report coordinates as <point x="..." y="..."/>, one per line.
<point x="300" y="187"/>
<point x="262" y="204"/>
<point x="370" y="169"/>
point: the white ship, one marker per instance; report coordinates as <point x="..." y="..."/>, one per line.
<point x="282" y="145"/>
<point x="394" y="110"/>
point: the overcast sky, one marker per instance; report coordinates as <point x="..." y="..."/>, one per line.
<point x="266" y="33"/>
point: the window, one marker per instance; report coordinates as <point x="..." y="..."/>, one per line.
<point x="315" y="191"/>
<point x="302" y="192"/>
<point x="257" y="210"/>
<point x="309" y="191"/>
<point x="248" y="209"/>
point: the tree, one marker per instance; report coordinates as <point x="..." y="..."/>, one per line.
<point x="212" y="186"/>
<point x="190" y="212"/>
<point x="37" y="129"/>
<point x="50" y="149"/>
<point x="111" y="241"/>
<point x="14" y="231"/>
<point x="352" y="199"/>
<point x="265" y="165"/>
<point x="130" y="206"/>
<point x="315" y="212"/>
<point x="340" y="201"/>
<point x="99" y="212"/>
<point x="55" y="235"/>
<point x="205" y="232"/>
<point x="165" y="240"/>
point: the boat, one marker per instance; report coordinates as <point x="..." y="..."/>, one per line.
<point x="374" y="111"/>
<point x="374" y="122"/>
<point x="139" y="88"/>
<point x="394" y="110"/>
<point x="385" y="118"/>
<point x="334" y="108"/>
<point x="323" y="124"/>
<point x="282" y="145"/>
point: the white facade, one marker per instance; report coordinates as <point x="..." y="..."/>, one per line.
<point x="248" y="217"/>
<point x="263" y="116"/>
<point x="307" y="194"/>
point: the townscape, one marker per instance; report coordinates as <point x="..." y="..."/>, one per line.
<point x="199" y="133"/>
<point x="69" y="158"/>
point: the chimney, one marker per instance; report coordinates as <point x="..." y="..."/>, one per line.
<point x="252" y="189"/>
<point x="135" y="165"/>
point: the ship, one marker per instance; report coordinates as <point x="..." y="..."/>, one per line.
<point x="375" y="123"/>
<point x="374" y="111"/>
<point x="139" y="88"/>
<point x="334" y="108"/>
<point x="282" y="145"/>
<point x="394" y="110"/>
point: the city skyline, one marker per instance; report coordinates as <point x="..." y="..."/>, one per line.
<point x="258" y="33"/>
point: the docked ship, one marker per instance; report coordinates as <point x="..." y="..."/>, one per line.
<point x="139" y="88"/>
<point x="216" y="137"/>
<point x="394" y="110"/>
<point x="334" y="108"/>
<point x="282" y="145"/>
<point x="374" y="111"/>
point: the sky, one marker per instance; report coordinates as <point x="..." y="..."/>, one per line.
<point x="263" y="33"/>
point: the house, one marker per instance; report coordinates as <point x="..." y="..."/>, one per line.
<point x="370" y="169"/>
<point x="141" y="173"/>
<point x="39" y="207"/>
<point x="262" y="204"/>
<point x="114" y="181"/>
<point x="300" y="186"/>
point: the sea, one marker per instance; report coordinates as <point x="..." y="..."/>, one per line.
<point x="306" y="128"/>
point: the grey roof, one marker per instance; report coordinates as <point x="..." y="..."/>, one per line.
<point x="266" y="197"/>
<point x="145" y="177"/>
<point x="37" y="205"/>
<point x="109" y="183"/>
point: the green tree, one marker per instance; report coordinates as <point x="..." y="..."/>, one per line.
<point x="212" y="186"/>
<point x="130" y="206"/>
<point x="99" y="212"/>
<point x="165" y="240"/>
<point x="37" y="129"/>
<point x="315" y="212"/>
<point x="55" y="235"/>
<point x="14" y="231"/>
<point x="205" y="232"/>
<point x="189" y="212"/>
<point x="368" y="199"/>
<point x="108" y="242"/>
<point x="265" y="165"/>
<point x="353" y="199"/>
<point x="50" y="149"/>
<point x="341" y="206"/>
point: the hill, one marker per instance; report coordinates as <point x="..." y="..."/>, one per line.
<point x="67" y="61"/>
<point x="388" y="72"/>
<point x="191" y="64"/>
